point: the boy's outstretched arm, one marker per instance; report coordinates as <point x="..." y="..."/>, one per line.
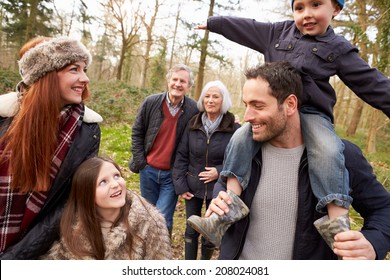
<point x="201" y="27"/>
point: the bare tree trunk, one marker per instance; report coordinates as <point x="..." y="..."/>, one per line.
<point x="362" y="21"/>
<point x="381" y="59"/>
<point x="355" y="118"/>
<point x="340" y="109"/>
<point x="244" y="66"/>
<point x="102" y="53"/>
<point x="125" y="25"/>
<point x="371" y="137"/>
<point x="348" y="101"/>
<point x="203" y="56"/>
<point x="31" y="21"/>
<point x="120" y="63"/>
<point x="175" y="34"/>
<point x="149" y="42"/>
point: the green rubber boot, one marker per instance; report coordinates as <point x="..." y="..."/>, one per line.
<point x="214" y="227"/>
<point x="329" y="228"/>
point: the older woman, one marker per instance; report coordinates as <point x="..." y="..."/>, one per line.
<point x="200" y="156"/>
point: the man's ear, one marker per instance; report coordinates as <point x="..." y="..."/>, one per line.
<point x="291" y="103"/>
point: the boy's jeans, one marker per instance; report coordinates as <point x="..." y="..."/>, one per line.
<point x="328" y="175"/>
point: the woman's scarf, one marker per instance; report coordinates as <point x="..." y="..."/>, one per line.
<point x="210" y="126"/>
<point x="17" y="209"/>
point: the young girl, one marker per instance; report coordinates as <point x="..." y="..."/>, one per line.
<point x="104" y="220"/>
<point x="45" y="133"/>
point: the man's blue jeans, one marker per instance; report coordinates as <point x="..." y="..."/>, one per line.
<point x="157" y="187"/>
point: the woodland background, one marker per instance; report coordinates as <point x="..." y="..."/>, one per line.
<point x="134" y="43"/>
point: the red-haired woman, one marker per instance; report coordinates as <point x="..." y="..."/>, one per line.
<point x="46" y="132"/>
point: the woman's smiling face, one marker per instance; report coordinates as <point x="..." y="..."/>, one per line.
<point x="73" y="80"/>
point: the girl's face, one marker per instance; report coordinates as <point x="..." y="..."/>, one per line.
<point x="110" y="191"/>
<point x="213" y="102"/>
<point x="73" y="80"/>
<point x="313" y="17"/>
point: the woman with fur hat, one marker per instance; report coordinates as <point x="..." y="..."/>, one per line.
<point x="104" y="220"/>
<point x="46" y="132"/>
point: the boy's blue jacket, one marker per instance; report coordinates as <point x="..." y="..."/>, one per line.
<point x="316" y="58"/>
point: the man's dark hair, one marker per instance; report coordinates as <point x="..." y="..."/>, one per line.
<point x="283" y="79"/>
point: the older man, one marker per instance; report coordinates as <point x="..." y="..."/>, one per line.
<point x="157" y="130"/>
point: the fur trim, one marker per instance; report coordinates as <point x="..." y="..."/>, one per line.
<point x="9" y="106"/>
<point x="151" y="240"/>
<point x="51" y="55"/>
<point x="91" y="116"/>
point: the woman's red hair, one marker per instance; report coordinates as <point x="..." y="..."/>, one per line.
<point x="32" y="136"/>
<point x="32" y="43"/>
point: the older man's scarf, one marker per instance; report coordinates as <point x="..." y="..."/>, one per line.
<point x="17" y="209"/>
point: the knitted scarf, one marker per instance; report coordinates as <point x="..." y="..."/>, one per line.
<point x="17" y="209"/>
<point x="209" y="125"/>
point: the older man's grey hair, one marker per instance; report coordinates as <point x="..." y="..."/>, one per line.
<point x="226" y="103"/>
<point x="180" y="67"/>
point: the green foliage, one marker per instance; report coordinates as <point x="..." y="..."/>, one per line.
<point x="8" y="80"/>
<point x="116" y="143"/>
<point x="116" y="101"/>
<point x="157" y="68"/>
<point x="380" y="161"/>
<point x="25" y="19"/>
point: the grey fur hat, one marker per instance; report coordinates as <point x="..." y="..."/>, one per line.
<point x="53" y="54"/>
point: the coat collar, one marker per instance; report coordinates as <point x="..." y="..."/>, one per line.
<point x="9" y="107"/>
<point x="226" y="125"/>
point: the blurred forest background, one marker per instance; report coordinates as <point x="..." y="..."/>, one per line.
<point x="134" y="43"/>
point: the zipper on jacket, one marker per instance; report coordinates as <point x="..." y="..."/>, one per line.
<point x="206" y="165"/>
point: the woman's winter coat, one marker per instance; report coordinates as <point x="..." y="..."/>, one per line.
<point x="43" y="231"/>
<point x="197" y="151"/>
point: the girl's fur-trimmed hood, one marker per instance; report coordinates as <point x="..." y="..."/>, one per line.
<point x="152" y="241"/>
<point x="9" y="106"/>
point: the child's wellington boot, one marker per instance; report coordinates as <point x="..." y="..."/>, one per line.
<point x="329" y="228"/>
<point x="214" y="227"/>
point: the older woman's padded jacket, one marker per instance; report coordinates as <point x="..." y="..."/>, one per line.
<point x="196" y="151"/>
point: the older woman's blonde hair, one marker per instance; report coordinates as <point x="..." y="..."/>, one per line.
<point x="226" y="103"/>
